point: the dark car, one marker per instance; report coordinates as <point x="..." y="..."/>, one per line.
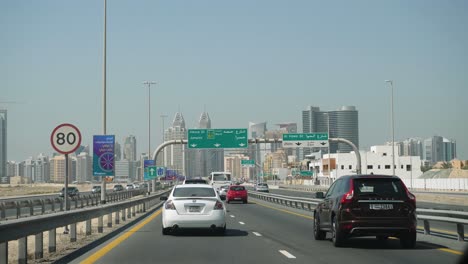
<point x="195" y="181"/>
<point x="72" y="191"/>
<point x="118" y="188"/>
<point x="96" y="189"/>
<point x="366" y="205"/>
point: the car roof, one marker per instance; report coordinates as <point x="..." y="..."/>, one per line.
<point x="194" y="185"/>
<point x="370" y="176"/>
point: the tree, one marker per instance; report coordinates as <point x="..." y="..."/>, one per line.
<point x="446" y="165"/>
<point x="425" y="168"/>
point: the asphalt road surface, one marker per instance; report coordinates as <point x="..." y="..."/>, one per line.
<point x="260" y="232"/>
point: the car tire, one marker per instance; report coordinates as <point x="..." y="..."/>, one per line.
<point x="227" y="201"/>
<point x="382" y="238"/>
<point x="408" y="240"/>
<point x="318" y="234"/>
<point x="244" y="201"/>
<point x="222" y="231"/>
<point x="166" y="231"/>
<point x="337" y="235"/>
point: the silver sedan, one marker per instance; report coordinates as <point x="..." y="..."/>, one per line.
<point x="193" y="206"/>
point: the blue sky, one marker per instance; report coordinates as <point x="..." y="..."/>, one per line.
<point x="240" y="60"/>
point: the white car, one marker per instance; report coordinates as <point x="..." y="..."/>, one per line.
<point x="193" y="206"/>
<point x="261" y="187"/>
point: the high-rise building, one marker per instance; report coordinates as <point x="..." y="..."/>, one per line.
<point x="341" y="123"/>
<point x="117" y="151"/>
<point x="129" y="151"/>
<point x="3" y="143"/>
<point x="122" y="171"/>
<point x="174" y="155"/>
<point x="12" y="169"/>
<point x="42" y="169"/>
<point x="232" y="163"/>
<point x="57" y="169"/>
<point x="29" y="169"/>
<point x="84" y="167"/>
<point x="438" y="149"/>
<point x="411" y="147"/>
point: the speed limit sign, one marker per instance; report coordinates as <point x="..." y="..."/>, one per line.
<point x="65" y="138"/>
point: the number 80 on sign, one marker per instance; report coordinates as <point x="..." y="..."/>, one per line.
<point x="65" y="138"/>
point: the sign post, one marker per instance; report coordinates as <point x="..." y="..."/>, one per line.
<point x="310" y="140"/>
<point x="65" y="139"/>
<point x="217" y="138"/>
<point x="248" y="163"/>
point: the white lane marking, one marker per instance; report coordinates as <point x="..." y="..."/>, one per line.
<point x="232" y="216"/>
<point x="257" y="234"/>
<point x="287" y="254"/>
<point x="242" y="223"/>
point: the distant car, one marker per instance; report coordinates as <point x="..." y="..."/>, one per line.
<point x="261" y="187"/>
<point x="71" y="191"/>
<point x="96" y="189"/>
<point x="366" y="205"/>
<point x="136" y="186"/>
<point x="195" y="181"/>
<point x="193" y="206"/>
<point x="118" y="188"/>
<point x="223" y="191"/>
<point x="129" y="187"/>
<point x="236" y="193"/>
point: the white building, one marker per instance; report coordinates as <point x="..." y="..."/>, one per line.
<point x="376" y="161"/>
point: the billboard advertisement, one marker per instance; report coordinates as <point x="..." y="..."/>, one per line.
<point x="103" y="156"/>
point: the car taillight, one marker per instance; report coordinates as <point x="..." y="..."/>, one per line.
<point x="218" y="205"/>
<point x="348" y="197"/>
<point x="170" y="205"/>
<point x="411" y="197"/>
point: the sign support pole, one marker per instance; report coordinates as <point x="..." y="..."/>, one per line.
<point x="65" y="193"/>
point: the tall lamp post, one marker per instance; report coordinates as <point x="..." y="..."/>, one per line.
<point x="393" y="128"/>
<point x="104" y="108"/>
<point x="148" y="84"/>
<point x="163" y="137"/>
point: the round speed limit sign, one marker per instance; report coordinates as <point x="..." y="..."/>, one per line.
<point x="65" y="138"/>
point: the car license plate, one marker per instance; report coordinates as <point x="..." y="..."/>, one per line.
<point x="381" y="206"/>
<point x="194" y="209"/>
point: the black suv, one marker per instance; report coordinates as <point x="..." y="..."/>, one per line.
<point x="366" y="205"/>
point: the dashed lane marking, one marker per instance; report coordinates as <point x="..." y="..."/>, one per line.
<point x="287" y="254"/>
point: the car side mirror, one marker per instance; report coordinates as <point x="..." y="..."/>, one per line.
<point x="223" y="198"/>
<point x="319" y="195"/>
<point x="163" y="198"/>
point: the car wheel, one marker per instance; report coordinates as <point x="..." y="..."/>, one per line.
<point x="227" y="201"/>
<point x="337" y="235"/>
<point x="382" y="238"/>
<point x="222" y="230"/>
<point x="318" y="234"/>
<point x="244" y="201"/>
<point x="408" y="240"/>
<point x="165" y="231"/>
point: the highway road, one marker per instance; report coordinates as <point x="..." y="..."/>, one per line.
<point x="258" y="232"/>
<point x="437" y="228"/>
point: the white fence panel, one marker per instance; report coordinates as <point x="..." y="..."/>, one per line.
<point x="458" y="184"/>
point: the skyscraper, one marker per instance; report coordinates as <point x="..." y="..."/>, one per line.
<point x="175" y="154"/>
<point x="341" y="123"/>
<point x="42" y="169"/>
<point x="129" y="151"/>
<point x="117" y="151"/>
<point x="84" y="167"/>
<point x="3" y="143"/>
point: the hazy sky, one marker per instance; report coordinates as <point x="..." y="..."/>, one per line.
<point x="240" y="60"/>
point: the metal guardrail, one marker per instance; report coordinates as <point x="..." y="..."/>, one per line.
<point x="426" y="215"/>
<point x="39" y="205"/>
<point x="20" y="229"/>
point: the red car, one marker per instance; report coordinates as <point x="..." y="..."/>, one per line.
<point x="236" y="193"/>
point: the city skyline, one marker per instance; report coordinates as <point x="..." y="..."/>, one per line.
<point x="239" y="61"/>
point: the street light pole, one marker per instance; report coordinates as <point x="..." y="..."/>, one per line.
<point x="148" y="84"/>
<point x="163" y="136"/>
<point x="104" y="113"/>
<point x="393" y="128"/>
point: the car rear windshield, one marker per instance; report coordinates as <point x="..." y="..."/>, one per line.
<point x="194" y="192"/>
<point x="263" y="184"/>
<point x="195" y="181"/>
<point x="379" y="187"/>
<point x="237" y="188"/>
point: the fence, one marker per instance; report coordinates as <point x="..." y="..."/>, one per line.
<point x="454" y="184"/>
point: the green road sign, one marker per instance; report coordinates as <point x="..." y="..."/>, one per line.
<point x="310" y="140"/>
<point x="152" y="171"/>
<point x="217" y="138"/>
<point x="248" y="163"/>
